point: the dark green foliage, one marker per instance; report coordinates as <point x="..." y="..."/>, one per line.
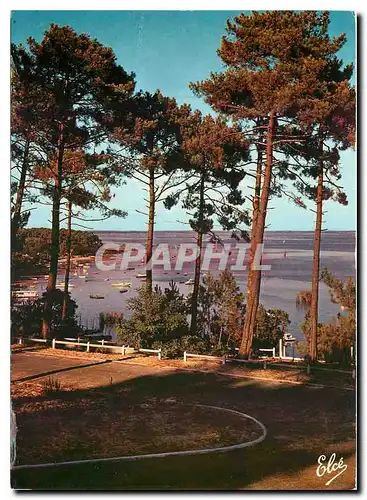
<point x="26" y="319"/>
<point x="335" y="338"/>
<point x="213" y="153"/>
<point x="36" y="242"/>
<point x="270" y="326"/>
<point x="175" y="348"/>
<point x="156" y="316"/>
<point x="220" y="310"/>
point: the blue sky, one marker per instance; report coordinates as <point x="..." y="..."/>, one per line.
<point x="167" y="50"/>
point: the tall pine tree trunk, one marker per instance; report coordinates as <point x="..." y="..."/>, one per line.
<point x="256" y="207"/>
<point x="55" y="234"/>
<point x="15" y="223"/>
<point x="254" y="277"/>
<point x="149" y="250"/>
<point x="67" y="267"/>
<point x="314" y="308"/>
<point x="199" y="243"/>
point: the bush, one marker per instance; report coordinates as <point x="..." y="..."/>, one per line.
<point x="26" y="319"/>
<point x="156" y="316"/>
<point x="175" y="348"/>
<point x="221" y="350"/>
<point x="51" y="385"/>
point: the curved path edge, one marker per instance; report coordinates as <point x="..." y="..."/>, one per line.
<point x="165" y="454"/>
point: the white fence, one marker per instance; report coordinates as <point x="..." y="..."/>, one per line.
<point x="269" y="350"/>
<point x="156" y="351"/>
<point x="224" y="359"/>
<point x="204" y="356"/>
<point x="76" y="342"/>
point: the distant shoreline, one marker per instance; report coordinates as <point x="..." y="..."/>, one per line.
<point x="218" y="231"/>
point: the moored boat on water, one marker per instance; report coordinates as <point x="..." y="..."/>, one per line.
<point x="189" y="282"/>
<point x="25" y="294"/>
<point x="123" y="284"/>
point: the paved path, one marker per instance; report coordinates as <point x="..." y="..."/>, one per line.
<point x="77" y="372"/>
<point x="27" y="364"/>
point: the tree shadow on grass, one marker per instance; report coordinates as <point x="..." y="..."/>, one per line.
<point x="302" y="424"/>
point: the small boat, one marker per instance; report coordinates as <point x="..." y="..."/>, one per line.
<point x="106" y="279"/>
<point x="189" y="282"/>
<point x="141" y="275"/>
<point x="25" y="294"/>
<point x="82" y="276"/>
<point x="96" y="296"/>
<point x="124" y="290"/>
<point x="130" y="269"/>
<point x="123" y="284"/>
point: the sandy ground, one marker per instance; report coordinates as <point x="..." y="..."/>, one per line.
<point x="64" y="359"/>
<point x="303" y="423"/>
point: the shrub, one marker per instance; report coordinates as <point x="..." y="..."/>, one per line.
<point x="175" y="348"/>
<point x="270" y="326"/>
<point x="27" y="318"/>
<point x="221" y="350"/>
<point x="335" y="338"/>
<point x="156" y="316"/>
<point x="51" y="385"/>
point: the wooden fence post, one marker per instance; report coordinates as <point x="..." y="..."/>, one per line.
<point x="88" y="346"/>
<point x="159" y="354"/>
<point x="53" y="343"/>
<point x="123" y="350"/>
<point x="185" y="358"/>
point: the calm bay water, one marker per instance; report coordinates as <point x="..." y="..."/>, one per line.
<point x="287" y="276"/>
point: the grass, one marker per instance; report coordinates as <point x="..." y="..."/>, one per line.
<point x="51" y="385"/>
<point x="134" y="417"/>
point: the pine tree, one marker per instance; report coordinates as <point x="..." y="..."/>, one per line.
<point x="278" y="64"/>
<point x="214" y="155"/>
<point x="77" y="76"/>
<point x="152" y="137"/>
<point x="25" y="99"/>
<point x="87" y="181"/>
